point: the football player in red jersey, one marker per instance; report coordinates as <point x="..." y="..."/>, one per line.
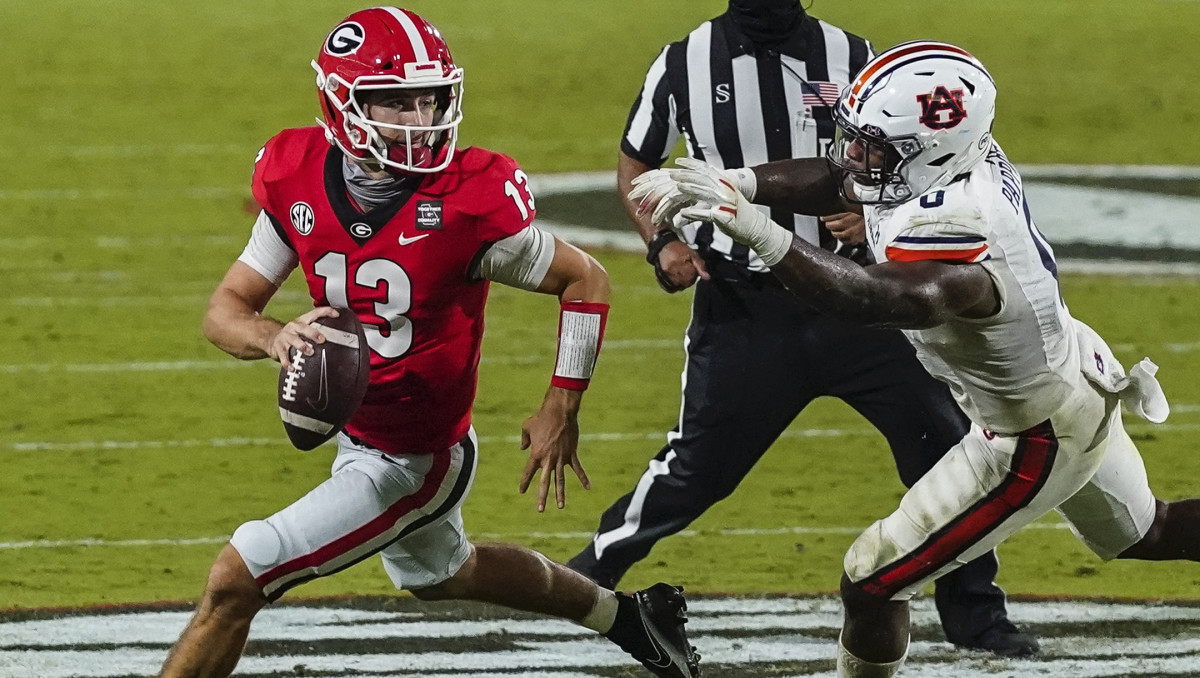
<point x="387" y="217"/>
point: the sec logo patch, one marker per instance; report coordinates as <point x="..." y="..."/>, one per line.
<point x="302" y="218"/>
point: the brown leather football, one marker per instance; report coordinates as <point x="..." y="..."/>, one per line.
<point x="320" y="393"/>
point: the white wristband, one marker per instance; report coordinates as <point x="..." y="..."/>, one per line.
<point x="744" y="180"/>
<point x="580" y="333"/>
<point x="769" y="240"/>
<point x="773" y="244"/>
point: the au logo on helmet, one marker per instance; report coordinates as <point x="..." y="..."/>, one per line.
<point x="345" y="39"/>
<point x="942" y="109"/>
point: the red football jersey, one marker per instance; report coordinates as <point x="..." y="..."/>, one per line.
<point x="403" y="268"/>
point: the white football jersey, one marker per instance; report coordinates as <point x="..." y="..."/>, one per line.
<point x="1012" y="370"/>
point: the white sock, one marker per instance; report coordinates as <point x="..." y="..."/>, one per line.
<point x="604" y="611"/>
<point x="849" y="666"/>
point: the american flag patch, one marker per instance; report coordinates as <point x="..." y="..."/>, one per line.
<point x="961" y="248"/>
<point x="820" y="93"/>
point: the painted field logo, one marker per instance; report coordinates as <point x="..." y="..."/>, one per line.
<point x="739" y="638"/>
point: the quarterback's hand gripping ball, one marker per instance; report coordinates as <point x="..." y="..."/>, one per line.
<point x="320" y="392"/>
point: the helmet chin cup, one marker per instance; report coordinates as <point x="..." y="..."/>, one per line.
<point x="421" y="156"/>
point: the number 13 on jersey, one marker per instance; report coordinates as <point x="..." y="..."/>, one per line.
<point x="399" y="331"/>
<point x="522" y="197"/>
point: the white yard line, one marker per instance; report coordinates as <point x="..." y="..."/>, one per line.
<point x="744" y="631"/>
<point x="1124" y="268"/>
<point x="231" y="364"/>
<point x="601" y="437"/>
<point x="614" y="345"/>
<point x="63" y="194"/>
<point x="509" y="536"/>
<point x="1163" y="172"/>
<point x="161" y="366"/>
<point x="1107" y="213"/>
<point x="108" y="151"/>
<point x="186" y="300"/>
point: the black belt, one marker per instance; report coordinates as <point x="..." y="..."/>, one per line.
<point x="361" y="443"/>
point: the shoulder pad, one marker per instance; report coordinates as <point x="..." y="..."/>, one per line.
<point x="944" y="224"/>
<point x="282" y="156"/>
<point x="492" y="187"/>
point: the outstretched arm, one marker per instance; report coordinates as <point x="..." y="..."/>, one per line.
<point x="910" y="295"/>
<point x="801" y="185"/>
<point x="552" y="434"/>
<point x="537" y="261"/>
<point x="905" y="295"/>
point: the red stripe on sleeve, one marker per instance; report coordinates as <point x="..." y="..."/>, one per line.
<point x="902" y="254"/>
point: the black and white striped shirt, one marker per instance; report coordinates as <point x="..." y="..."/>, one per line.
<point x="738" y="107"/>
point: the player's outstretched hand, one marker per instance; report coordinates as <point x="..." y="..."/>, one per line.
<point x="552" y="438"/>
<point x="659" y="190"/>
<point x="717" y="200"/>
<point x="656" y="192"/>
<point x="299" y="334"/>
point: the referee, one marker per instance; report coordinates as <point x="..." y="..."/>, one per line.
<point x="756" y="84"/>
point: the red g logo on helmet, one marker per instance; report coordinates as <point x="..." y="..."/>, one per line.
<point x="942" y="109"/>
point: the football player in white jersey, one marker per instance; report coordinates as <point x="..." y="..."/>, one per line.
<point x="966" y="274"/>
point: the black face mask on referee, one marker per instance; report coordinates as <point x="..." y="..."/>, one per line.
<point x="766" y="22"/>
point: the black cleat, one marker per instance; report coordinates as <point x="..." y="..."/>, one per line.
<point x="656" y="637"/>
<point x="1004" y="639"/>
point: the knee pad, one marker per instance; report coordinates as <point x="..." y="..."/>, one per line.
<point x="259" y="545"/>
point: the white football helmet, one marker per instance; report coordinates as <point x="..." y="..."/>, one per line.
<point x="915" y="117"/>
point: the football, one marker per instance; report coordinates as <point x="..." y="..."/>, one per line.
<point x="320" y="392"/>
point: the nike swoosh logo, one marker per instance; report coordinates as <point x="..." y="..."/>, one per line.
<point x="408" y="241"/>
<point x="663" y="661"/>
<point x="322" y="388"/>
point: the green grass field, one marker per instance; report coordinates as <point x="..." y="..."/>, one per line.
<point x="127" y="131"/>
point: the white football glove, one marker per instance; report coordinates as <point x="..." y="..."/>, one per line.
<point x="717" y="200"/>
<point x="659" y="188"/>
<point x="656" y="189"/>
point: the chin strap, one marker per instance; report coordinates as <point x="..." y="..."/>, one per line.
<point x="580" y="333"/>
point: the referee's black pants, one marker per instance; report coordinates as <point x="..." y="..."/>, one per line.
<point x="755" y="358"/>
